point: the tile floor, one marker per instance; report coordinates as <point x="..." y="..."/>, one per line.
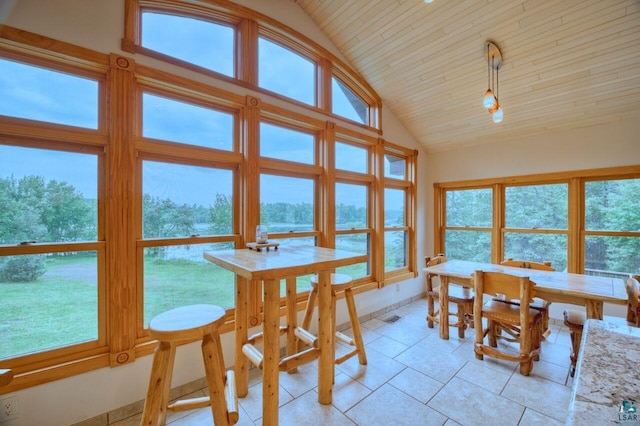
<point x="415" y="378"/>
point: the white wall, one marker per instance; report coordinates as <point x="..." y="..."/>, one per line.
<point x="98" y="25"/>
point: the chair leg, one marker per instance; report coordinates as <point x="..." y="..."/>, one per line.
<point x="462" y="323"/>
<point x="211" y="351"/>
<point x="308" y="313"/>
<point x="355" y="326"/>
<point x="155" y="404"/>
<point x="430" y="311"/>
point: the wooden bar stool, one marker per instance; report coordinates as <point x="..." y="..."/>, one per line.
<point x="339" y="282"/>
<point x="193" y="322"/>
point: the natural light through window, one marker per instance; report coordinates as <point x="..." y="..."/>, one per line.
<point x="41" y="94"/>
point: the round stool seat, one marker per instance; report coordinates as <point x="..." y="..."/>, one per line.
<point x="186" y="322"/>
<point x="574" y="319"/>
<point x="338" y="281"/>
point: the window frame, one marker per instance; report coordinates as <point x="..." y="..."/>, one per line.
<point x="575" y="232"/>
<point x="121" y="149"/>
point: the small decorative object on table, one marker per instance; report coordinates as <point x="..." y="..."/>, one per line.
<point x="259" y="247"/>
<point x="262" y="236"/>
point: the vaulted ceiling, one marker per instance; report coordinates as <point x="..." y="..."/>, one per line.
<point x="567" y="63"/>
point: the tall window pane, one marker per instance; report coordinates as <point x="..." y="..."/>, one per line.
<point x="537" y="248"/>
<point x="394" y="166"/>
<point x="177" y="121"/>
<point x="41" y="94"/>
<point x="196" y="41"/>
<point x="177" y="276"/>
<point x="612" y="207"/>
<point x="180" y="201"/>
<point x="470" y="207"/>
<point x="395" y="250"/>
<point x="346" y="103"/>
<point x="394" y="207"/>
<point x="286" y="203"/>
<point x="286" y="72"/>
<point x="468" y="245"/>
<point x="357" y="243"/>
<point x="47" y="196"/>
<point x="612" y="256"/>
<point x="351" y="206"/>
<point x="351" y="158"/>
<point x="286" y="144"/>
<point x="48" y="301"/>
<point x="537" y="206"/>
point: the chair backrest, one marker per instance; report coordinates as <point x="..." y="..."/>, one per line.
<point x="633" y="300"/>
<point x="432" y="261"/>
<point x="512" y="287"/>
<point x="542" y="266"/>
<point x="436" y="260"/>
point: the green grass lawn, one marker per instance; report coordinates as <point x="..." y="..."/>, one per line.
<point x="60" y="308"/>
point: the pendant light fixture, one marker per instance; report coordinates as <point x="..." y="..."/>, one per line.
<point x="491" y="100"/>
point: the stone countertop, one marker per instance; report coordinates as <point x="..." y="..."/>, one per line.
<point x="607" y="380"/>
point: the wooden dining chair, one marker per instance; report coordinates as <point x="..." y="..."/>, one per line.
<point x="575" y="319"/>
<point x="538" y="303"/>
<point x="461" y="296"/>
<point x="509" y="315"/>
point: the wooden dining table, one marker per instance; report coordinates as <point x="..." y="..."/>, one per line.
<point x="267" y="268"/>
<point x="563" y="287"/>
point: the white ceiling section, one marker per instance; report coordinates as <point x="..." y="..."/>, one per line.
<point x="567" y="63"/>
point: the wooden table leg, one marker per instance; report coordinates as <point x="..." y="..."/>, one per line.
<point x="594" y="309"/>
<point x="271" y="360"/>
<point x="325" y="338"/>
<point x="241" y="367"/>
<point x="444" y="307"/>
<point x="292" y="319"/>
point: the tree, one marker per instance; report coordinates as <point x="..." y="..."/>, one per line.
<point x="221" y="215"/>
<point x="65" y="213"/>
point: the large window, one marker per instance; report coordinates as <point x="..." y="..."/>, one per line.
<point x="197" y="41"/>
<point x="536" y="223"/>
<point x="469" y="218"/>
<point x="286" y="72"/>
<point x="582" y="221"/>
<point x="50" y="294"/>
<point x="42" y="94"/>
<point x="399" y="210"/>
<point x="612" y="227"/>
<point x="118" y="172"/>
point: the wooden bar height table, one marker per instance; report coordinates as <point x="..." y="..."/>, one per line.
<point x="268" y="268"/>
<point x="563" y="287"/>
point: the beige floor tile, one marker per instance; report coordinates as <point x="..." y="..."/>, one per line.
<point x="533" y="418"/>
<point x="417" y="385"/>
<point x="347" y="392"/>
<point x="541" y="395"/>
<point x="387" y="346"/>
<point x="441" y="366"/>
<point x="484" y="376"/>
<point x="306" y="410"/>
<point x="378" y="371"/>
<point x="390" y="406"/>
<point x="471" y="405"/>
<point x="252" y="403"/>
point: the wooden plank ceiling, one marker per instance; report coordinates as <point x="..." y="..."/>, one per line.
<point x="567" y="63"/>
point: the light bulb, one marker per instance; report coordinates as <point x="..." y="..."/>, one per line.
<point x="489" y="100"/>
<point x="498" y="115"/>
